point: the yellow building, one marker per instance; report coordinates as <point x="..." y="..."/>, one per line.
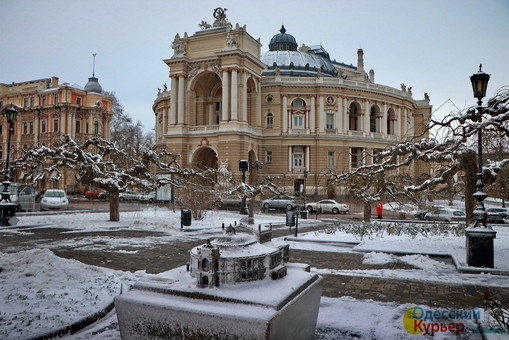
<point x="292" y="109"/>
<point x="47" y="110"/>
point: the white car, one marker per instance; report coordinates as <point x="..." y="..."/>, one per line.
<point x="148" y="198"/>
<point x="129" y="196"/>
<point x="54" y="199"/>
<point x="446" y="215"/>
<point x="328" y="206"/>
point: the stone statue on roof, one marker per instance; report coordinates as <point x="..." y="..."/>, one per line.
<point x="220" y="15"/>
<point x="179" y="46"/>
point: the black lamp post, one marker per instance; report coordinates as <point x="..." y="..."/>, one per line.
<point x="304" y="191"/>
<point x="10" y="114"/>
<point x="243" y="167"/>
<point x="479" y="235"/>
<point x="7" y="208"/>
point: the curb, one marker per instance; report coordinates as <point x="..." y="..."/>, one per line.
<point x="459" y="267"/>
<point x="80" y="324"/>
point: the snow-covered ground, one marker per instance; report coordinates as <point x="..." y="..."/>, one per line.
<point x="40" y="291"/>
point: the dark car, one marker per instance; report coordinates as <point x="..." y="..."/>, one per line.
<point x="494" y="217"/>
<point x="104" y="195"/>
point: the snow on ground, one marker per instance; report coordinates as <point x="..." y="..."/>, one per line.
<point x="39" y="291"/>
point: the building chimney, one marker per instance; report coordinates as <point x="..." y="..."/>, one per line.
<point x="360" y="60"/>
<point x="54" y="82"/>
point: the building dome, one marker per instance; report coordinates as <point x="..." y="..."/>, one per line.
<point x="283" y="41"/>
<point x="93" y="85"/>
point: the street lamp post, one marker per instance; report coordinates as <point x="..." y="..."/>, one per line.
<point x="243" y="167"/>
<point x="479" y="235"/>
<point x="7" y="208"/>
<point x="304" y="193"/>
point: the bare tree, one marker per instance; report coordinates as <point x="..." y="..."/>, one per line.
<point x="97" y="161"/>
<point x="456" y="148"/>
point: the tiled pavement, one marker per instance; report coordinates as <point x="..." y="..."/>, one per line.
<point x="163" y="256"/>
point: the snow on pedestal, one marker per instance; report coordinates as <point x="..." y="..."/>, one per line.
<point x="233" y="288"/>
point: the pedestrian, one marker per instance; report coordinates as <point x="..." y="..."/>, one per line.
<point x="380" y="210"/>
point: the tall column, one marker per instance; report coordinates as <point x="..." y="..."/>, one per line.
<point x="285" y="113"/>
<point x="225" y="98"/>
<point x="321" y="114"/>
<point x="258" y="104"/>
<point x="212" y="117"/>
<point x="290" y="158"/>
<point x="173" y="101"/>
<point x="312" y="115"/>
<point x="346" y="118"/>
<point x="339" y="117"/>
<point x="181" y="100"/>
<point x="397" y="123"/>
<point x="68" y="128"/>
<point x="404" y="122"/>
<point x="235" y="95"/>
<point x="367" y="124"/>
<point x="308" y="158"/>
<point x="243" y="115"/>
<point x="384" y="120"/>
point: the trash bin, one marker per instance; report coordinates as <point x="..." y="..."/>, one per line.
<point x="185" y="218"/>
<point x="304" y="214"/>
<point x="290" y="218"/>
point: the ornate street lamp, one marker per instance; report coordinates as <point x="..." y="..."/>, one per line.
<point x="10" y="114"/>
<point x="243" y="167"/>
<point x="479" y="235"/>
<point x="8" y="209"/>
<point x="305" y="178"/>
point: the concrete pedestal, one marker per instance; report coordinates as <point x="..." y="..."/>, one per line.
<point x="170" y="306"/>
<point x="480" y="251"/>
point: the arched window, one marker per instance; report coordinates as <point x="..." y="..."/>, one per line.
<point x="96" y="127"/>
<point x="372" y="120"/>
<point x="353" y="116"/>
<point x="270" y="121"/>
<point x="205" y="265"/>
<point x="391" y="117"/>
<point x="298" y="102"/>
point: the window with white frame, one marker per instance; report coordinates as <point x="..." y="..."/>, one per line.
<point x="331" y="155"/>
<point x="298" y="157"/>
<point x="268" y="157"/>
<point x="270" y="120"/>
<point x="329" y="123"/>
<point x="298" y="121"/>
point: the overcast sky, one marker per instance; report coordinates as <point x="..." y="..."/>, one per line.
<point x="432" y="46"/>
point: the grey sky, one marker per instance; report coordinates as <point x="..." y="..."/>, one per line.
<point x="432" y="46"/>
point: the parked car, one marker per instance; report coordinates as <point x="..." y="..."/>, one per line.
<point x="280" y="202"/>
<point x="504" y="212"/>
<point x="494" y="217"/>
<point x="148" y="198"/>
<point x="23" y="195"/>
<point x="104" y="195"/>
<point x="447" y="215"/>
<point x="328" y="206"/>
<point x="129" y="196"/>
<point x="93" y="194"/>
<point x="54" y="199"/>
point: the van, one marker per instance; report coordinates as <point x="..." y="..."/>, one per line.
<point x="23" y="195"/>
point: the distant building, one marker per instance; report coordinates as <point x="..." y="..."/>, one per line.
<point x="292" y="109"/>
<point x="50" y="110"/>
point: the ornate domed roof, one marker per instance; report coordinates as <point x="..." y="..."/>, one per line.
<point x="93" y="85"/>
<point x="283" y="41"/>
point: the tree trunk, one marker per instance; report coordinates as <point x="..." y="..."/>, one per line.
<point x="114" y="211"/>
<point x="367" y="212"/>
<point x="470" y="167"/>
<point x="251" y="207"/>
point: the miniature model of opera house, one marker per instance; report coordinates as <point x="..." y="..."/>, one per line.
<point x="237" y="286"/>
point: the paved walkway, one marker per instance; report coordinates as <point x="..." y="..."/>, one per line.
<point x="161" y="255"/>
